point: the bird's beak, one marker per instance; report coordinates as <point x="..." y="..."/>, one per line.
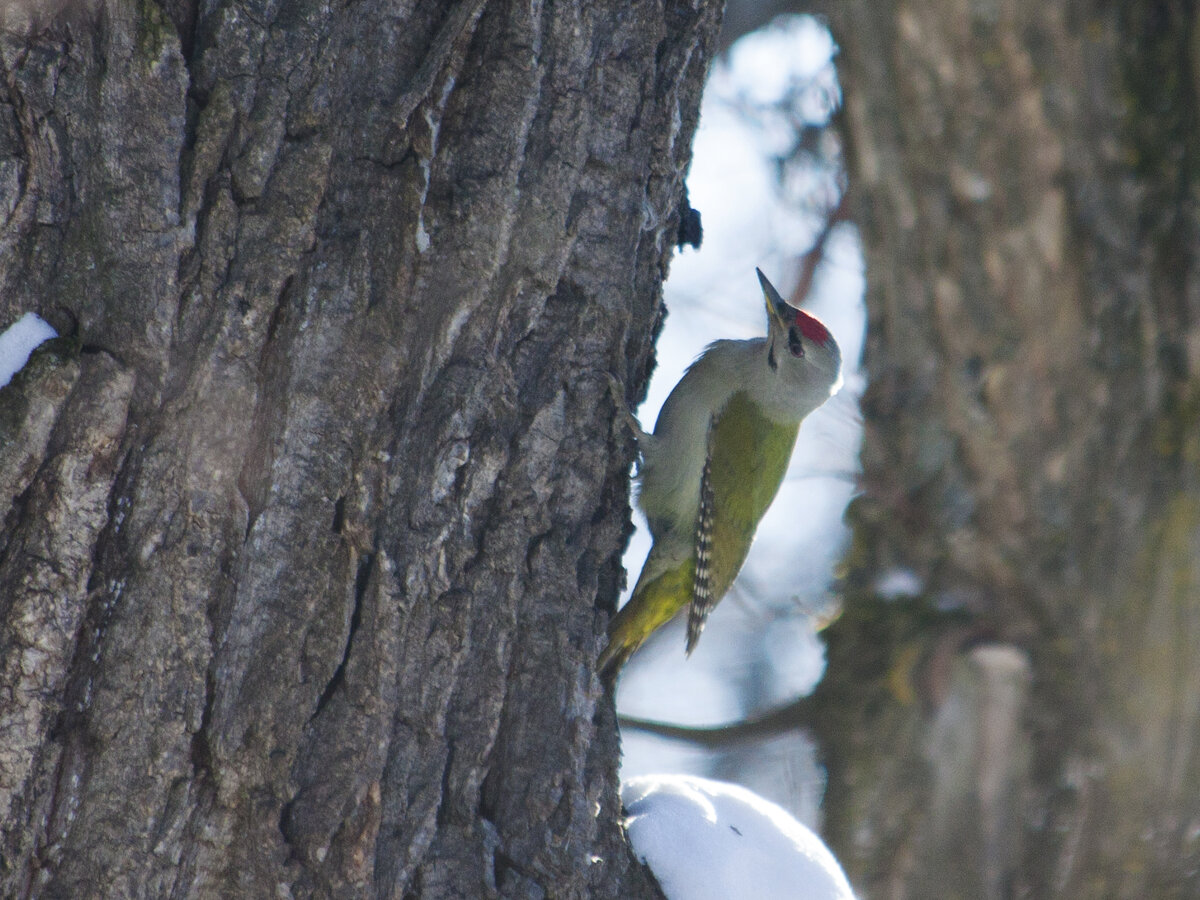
<point x="778" y="310"/>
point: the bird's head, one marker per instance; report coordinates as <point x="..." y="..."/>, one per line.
<point x="796" y="340"/>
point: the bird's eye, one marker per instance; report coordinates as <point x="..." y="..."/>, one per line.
<point x="795" y="344"/>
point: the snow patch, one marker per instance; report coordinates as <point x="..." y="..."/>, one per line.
<point x="898" y="583"/>
<point x="708" y="839"/>
<point x="18" y="341"/>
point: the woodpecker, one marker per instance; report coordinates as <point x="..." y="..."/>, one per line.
<point x="714" y="463"/>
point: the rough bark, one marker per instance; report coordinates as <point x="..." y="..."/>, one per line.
<point x="1026" y="181"/>
<point x="315" y="514"/>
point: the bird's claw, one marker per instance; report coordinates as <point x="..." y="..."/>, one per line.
<point x="617" y="391"/>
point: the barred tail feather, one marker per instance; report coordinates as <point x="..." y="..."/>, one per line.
<point x="703" y="598"/>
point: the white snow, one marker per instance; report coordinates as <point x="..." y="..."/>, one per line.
<point x="899" y="582"/>
<point x="708" y="839"/>
<point x="18" y="341"/>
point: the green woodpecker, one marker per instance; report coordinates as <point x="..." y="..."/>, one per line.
<point x="714" y="464"/>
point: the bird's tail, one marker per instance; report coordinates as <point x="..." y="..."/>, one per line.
<point x="655" y="602"/>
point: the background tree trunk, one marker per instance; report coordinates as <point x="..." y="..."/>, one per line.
<point x="1028" y="723"/>
<point x="315" y="510"/>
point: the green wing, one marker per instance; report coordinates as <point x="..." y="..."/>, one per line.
<point x="748" y="455"/>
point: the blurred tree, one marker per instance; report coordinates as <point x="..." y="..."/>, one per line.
<point x="1011" y="706"/>
<point x="312" y="514"/>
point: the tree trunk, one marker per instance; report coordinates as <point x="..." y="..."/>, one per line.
<point x="1027" y="723"/>
<point x="317" y="507"/>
